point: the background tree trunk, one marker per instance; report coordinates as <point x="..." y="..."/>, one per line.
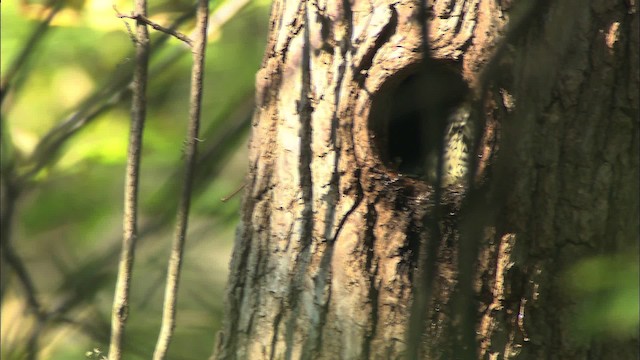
<point x="324" y="260"/>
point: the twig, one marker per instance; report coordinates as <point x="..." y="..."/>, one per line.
<point x="94" y="105"/>
<point x="142" y="18"/>
<point x="103" y="99"/>
<point x="177" y="249"/>
<point x="50" y="143"/>
<point x="27" y="50"/>
<point x="234" y="193"/>
<point x="224" y="13"/>
<point x="47" y="148"/>
<point x="130" y="221"/>
<point x="11" y="194"/>
<point x="16" y="263"/>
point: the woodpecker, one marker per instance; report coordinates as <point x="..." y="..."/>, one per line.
<point x="428" y="121"/>
<point x="457" y="143"/>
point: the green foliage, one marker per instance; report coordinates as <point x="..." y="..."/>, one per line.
<point x="606" y="292"/>
<point x="67" y="220"/>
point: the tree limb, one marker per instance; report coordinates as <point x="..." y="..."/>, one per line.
<point x="138" y="114"/>
<point x="177" y="249"/>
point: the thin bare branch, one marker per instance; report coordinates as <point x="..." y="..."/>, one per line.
<point x="97" y="103"/>
<point x="223" y="14"/>
<point x="9" y="195"/>
<point x="234" y="193"/>
<point x="15" y="262"/>
<point x="177" y="249"/>
<point x="138" y="114"/>
<point x="54" y="7"/>
<point x="141" y="18"/>
<point x="17" y="265"/>
<point x="107" y="96"/>
<point x="100" y="101"/>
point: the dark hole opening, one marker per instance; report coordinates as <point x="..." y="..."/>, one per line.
<point x="405" y="144"/>
<point x="409" y="115"/>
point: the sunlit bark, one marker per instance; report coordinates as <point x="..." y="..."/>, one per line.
<point x="326" y="251"/>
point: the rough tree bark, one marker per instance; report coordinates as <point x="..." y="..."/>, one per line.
<point x="326" y="253"/>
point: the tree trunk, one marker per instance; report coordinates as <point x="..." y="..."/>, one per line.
<point x="327" y="255"/>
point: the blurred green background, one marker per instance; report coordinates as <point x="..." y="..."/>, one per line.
<point x="65" y="124"/>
